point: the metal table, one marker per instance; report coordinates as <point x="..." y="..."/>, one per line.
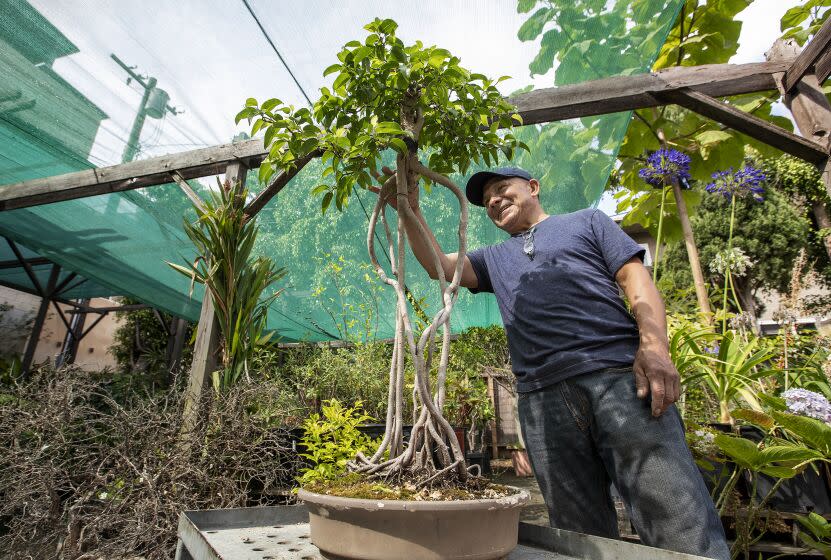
<point x="282" y="533"/>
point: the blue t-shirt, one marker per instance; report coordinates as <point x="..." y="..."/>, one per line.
<point x="561" y="307"/>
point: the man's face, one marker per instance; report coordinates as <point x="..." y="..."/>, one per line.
<point x="509" y="202"/>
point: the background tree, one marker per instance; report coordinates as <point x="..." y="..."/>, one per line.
<point x="770" y="233"/>
<point x="140" y="345"/>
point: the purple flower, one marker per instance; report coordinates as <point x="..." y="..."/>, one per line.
<point x="746" y="181"/>
<point x="664" y="165"/>
<point x="808" y="403"/>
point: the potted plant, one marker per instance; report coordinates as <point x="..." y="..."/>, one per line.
<point x="416" y="101"/>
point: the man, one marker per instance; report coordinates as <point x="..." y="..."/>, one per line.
<point x="595" y="386"/>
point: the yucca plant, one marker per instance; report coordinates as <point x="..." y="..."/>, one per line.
<point x="224" y="238"/>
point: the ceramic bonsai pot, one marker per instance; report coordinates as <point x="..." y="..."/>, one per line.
<point x="359" y="529"/>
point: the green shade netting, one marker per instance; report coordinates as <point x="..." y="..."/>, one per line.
<point x="65" y="105"/>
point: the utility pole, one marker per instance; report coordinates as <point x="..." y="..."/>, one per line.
<point x="154" y="104"/>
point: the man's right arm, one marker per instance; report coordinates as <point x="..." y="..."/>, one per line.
<point x="421" y="250"/>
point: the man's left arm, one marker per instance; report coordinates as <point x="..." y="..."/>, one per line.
<point x="655" y="373"/>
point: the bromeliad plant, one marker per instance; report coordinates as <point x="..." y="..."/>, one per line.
<point x="728" y="364"/>
<point x="419" y="102"/>
<point x="235" y="281"/>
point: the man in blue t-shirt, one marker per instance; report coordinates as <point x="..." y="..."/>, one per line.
<point x="596" y="386"/>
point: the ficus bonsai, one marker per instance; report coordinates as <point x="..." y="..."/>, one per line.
<point x="419" y="102"/>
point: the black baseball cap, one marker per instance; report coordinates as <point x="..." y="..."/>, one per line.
<point x="476" y="184"/>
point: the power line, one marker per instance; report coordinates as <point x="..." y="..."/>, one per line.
<point x="270" y="42"/>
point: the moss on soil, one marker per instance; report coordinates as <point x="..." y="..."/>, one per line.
<point x="354" y="485"/>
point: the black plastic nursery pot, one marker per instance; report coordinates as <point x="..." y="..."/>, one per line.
<point x="804" y="493"/>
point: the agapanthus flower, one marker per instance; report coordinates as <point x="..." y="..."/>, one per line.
<point x="808" y="403"/>
<point x="735" y="259"/>
<point x="746" y="181"/>
<point x="664" y="165"/>
<point x="742" y="322"/>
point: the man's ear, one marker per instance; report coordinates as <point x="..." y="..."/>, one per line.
<point x="534" y="185"/>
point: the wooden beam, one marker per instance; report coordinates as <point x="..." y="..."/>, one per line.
<point x="265" y="195"/>
<point x="808" y="105"/>
<point x="609" y="95"/>
<point x="746" y="123"/>
<point x="626" y="93"/>
<point x="34" y="261"/>
<point x="105" y="310"/>
<point x="804" y="63"/>
<point x="131" y="175"/>
<point x="822" y="69"/>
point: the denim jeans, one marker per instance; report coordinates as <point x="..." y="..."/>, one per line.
<point x="592" y="430"/>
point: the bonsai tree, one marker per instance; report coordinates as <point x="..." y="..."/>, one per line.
<point x="419" y="102"/>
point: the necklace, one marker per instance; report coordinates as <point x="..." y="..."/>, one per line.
<point x="528" y="242"/>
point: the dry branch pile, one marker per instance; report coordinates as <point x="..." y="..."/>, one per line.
<point x="83" y="475"/>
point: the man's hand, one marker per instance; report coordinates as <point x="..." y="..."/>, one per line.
<point x="655" y="375"/>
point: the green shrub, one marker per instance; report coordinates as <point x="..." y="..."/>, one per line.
<point x="332" y="440"/>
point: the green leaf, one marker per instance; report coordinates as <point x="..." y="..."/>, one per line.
<point x="361" y="53"/>
<point x="251" y="102"/>
<point x="342" y="78"/>
<point x="399" y="145"/>
<point x="327" y="200"/>
<point x="709" y="137"/>
<point x="389" y="128"/>
<point x="743" y="452"/>
<point x="794" y="17"/>
<point x="779" y="472"/>
<point x="525" y="6"/>
<point x="812" y="432"/>
<point x="270" y="104"/>
<point x="332" y="69"/>
<point x="533" y="25"/>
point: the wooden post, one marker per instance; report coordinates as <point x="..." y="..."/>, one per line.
<point x="178" y="328"/>
<point x="494" y="436"/>
<point x="692" y="252"/>
<point x="37" y="327"/>
<point x="806" y="101"/>
<point x="689" y="243"/>
<point x="206" y="347"/>
<point x="812" y="113"/>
